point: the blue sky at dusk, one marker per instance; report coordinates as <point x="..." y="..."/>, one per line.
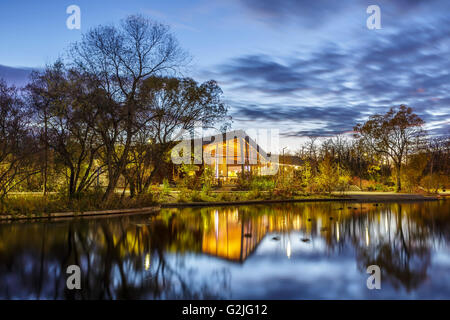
<point x="304" y="67"/>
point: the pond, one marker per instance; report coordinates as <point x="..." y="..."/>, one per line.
<point x="317" y="250"/>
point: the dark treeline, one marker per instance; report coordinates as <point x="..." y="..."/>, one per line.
<point x="112" y="108"/>
<point x="388" y="151"/>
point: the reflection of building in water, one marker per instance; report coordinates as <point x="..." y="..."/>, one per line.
<point x="232" y="238"/>
<point x="235" y="237"/>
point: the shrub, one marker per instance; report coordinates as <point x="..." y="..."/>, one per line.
<point x="165" y="187"/>
<point x="262" y="183"/>
<point x="207" y="179"/>
<point x="253" y="195"/>
<point x="184" y="195"/>
<point x="353" y="187"/>
<point x="307" y="177"/>
<point x="344" y="181"/>
<point x="188" y="177"/>
<point x="244" y="180"/>
<point x="432" y="183"/>
<point x="328" y="177"/>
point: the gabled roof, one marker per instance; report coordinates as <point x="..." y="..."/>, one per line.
<point x="239" y="134"/>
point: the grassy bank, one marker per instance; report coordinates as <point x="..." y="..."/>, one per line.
<point x="36" y="205"/>
<point x="187" y="196"/>
<point x="28" y="204"/>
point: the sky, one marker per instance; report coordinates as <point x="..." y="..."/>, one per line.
<point x="306" y="68"/>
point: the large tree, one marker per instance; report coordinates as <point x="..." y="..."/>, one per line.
<point x="121" y="58"/>
<point x="392" y="134"/>
<point x="65" y="103"/>
<point x="18" y="146"/>
<point x="168" y="106"/>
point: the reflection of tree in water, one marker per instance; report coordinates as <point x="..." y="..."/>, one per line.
<point x="435" y="216"/>
<point x="402" y="252"/>
<point x="114" y="258"/>
<point x="150" y="258"/>
<point x="398" y="241"/>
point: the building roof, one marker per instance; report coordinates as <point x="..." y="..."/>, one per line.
<point x="239" y="134"/>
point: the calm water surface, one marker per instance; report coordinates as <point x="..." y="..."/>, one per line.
<point x="282" y="251"/>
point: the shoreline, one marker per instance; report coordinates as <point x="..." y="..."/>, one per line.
<point x="360" y="198"/>
<point x="354" y="198"/>
<point x="88" y="214"/>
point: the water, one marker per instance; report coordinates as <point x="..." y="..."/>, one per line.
<point x="282" y="251"/>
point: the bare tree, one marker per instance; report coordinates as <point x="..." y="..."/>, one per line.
<point x="171" y="105"/>
<point x="17" y="142"/>
<point x="68" y="102"/>
<point x="438" y="166"/>
<point x="312" y="148"/>
<point x="121" y="58"/>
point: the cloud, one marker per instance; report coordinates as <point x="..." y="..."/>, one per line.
<point x="310" y="121"/>
<point x="271" y="76"/>
<point x="15" y="76"/>
<point x="310" y="13"/>
<point x="341" y="84"/>
<point x="313" y="14"/>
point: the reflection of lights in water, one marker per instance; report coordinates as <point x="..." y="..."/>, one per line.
<point x="386" y="222"/>
<point x="297" y="223"/>
<point x="288" y="249"/>
<point x="216" y="222"/>
<point x="147" y="261"/>
<point x="367" y="236"/>
<point x="337" y="232"/>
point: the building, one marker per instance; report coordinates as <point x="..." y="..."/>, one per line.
<point x="234" y="152"/>
<point x="231" y="153"/>
<point x="227" y="155"/>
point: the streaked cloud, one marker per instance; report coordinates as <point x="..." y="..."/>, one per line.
<point x="343" y="83"/>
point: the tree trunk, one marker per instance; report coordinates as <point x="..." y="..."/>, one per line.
<point x="399" y="182"/>
<point x="45" y="153"/>
<point x="132" y="189"/>
<point x="110" y="189"/>
<point x="114" y="172"/>
<point x="71" y="190"/>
